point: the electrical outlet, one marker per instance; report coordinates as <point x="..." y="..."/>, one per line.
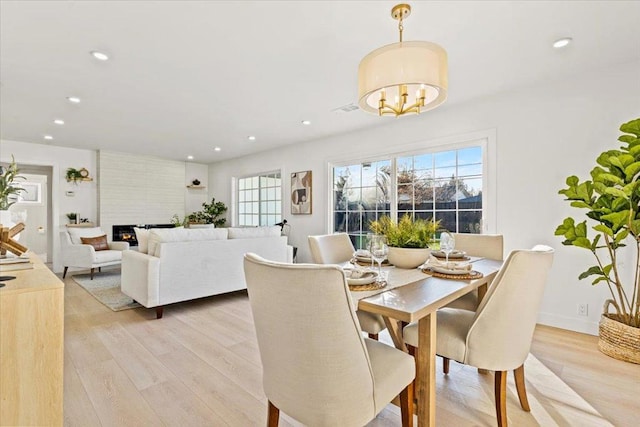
<point x="583" y="309"/>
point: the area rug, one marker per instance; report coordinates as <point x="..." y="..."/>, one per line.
<point x="105" y="287"/>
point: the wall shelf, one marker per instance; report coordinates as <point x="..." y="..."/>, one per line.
<point x="196" y="187"/>
<point x="81" y="225"/>
<point x="79" y="180"/>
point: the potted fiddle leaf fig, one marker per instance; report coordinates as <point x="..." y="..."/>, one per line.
<point x="611" y="202"/>
<point x="408" y="239"/>
<point x="8" y="189"/>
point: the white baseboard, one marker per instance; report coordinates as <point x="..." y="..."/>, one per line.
<point x="570" y="323"/>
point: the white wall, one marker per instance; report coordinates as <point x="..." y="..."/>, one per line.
<point x="196" y="196"/>
<point x="545" y="132"/>
<point x="59" y="158"/>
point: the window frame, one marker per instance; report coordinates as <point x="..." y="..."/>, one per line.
<point x="236" y="196"/>
<point x="485" y="139"/>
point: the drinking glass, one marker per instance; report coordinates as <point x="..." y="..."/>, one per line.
<point x="447" y="244"/>
<point x="379" y="250"/>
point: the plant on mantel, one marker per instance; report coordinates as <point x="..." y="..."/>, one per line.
<point x="611" y="199"/>
<point x="7" y="188"/>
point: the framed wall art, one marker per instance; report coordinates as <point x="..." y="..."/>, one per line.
<point x="301" y="193"/>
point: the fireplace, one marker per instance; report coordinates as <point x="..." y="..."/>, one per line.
<point x="126" y="233"/>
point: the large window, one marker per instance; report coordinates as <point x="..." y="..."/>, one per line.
<point x="439" y="185"/>
<point x="260" y="199"/>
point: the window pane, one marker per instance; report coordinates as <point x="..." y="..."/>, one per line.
<point x="354" y="221"/>
<point x="423" y="162"/>
<point x="444" y="159"/>
<point x="368" y="174"/>
<point x="447" y="220"/>
<point x="405" y="197"/>
<point x="340" y="222"/>
<point x="470" y="170"/>
<point x="468" y="156"/>
<point x="470" y="222"/>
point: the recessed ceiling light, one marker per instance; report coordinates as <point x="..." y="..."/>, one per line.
<point x="99" y="55"/>
<point x="251" y="138"/>
<point x="562" y="42"/>
<point x="217" y="149"/>
<point x="58" y="121"/>
<point x="306" y="122"/>
<point x="48" y="137"/>
<point x="73" y="99"/>
<point x="189" y="157"/>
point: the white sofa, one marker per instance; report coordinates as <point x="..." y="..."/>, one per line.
<point x="184" y="264"/>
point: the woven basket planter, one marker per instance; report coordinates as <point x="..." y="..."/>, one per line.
<point x="618" y="340"/>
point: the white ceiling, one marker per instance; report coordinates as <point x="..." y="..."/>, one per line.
<point x="185" y="77"/>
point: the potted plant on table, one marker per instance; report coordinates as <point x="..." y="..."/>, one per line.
<point x="611" y="199"/>
<point x="210" y="215"/>
<point x="408" y="239"/>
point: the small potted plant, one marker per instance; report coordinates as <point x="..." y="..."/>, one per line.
<point x="209" y="215"/>
<point x="408" y="239"/>
<point x="72" y="217"/>
<point x="611" y="201"/>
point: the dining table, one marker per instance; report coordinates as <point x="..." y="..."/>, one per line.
<point x="411" y="295"/>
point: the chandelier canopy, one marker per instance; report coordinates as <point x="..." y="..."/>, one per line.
<point x="403" y="77"/>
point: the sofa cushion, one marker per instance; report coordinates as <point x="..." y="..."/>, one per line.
<point x="99" y="243"/>
<point x="142" y="236"/>
<point x="254" y="232"/>
<point x="107" y="256"/>
<point x="161" y="235"/>
<point x="77" y="233"/>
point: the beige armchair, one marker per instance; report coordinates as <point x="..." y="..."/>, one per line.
<point x="481" y="245"/>
<point x="85" y="256"/>
<point x="338" y="249"/>
<point x="333" y="378"/>
<point x="498" y="335"/>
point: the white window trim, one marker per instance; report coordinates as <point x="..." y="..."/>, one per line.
<point x="487" y="139"/>
<point x="235" y="220"/>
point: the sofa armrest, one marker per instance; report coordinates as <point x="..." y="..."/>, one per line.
<point x="119" y="246"/>
<point x="78" y="256"/>
<point x="141" y="277"/>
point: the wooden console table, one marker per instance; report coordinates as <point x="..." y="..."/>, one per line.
<point x="31" y="347"/>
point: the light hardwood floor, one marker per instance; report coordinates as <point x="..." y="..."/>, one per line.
<point x="199" y="365"/>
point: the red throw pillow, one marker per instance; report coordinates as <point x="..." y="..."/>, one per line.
<point x="99" y="243"/>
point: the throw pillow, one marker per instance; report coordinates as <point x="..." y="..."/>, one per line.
<point x="99" y="243"/>
<point x="142" y="236"/>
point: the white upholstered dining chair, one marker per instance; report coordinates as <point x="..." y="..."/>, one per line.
<point x="479" y="245"/>
<point x="338" y="249"/>
<point x="498" y="335"/>
<point x="333" y="378"/>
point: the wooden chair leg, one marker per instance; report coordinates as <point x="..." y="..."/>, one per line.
<point x="406" y="405"/>
<point x="501" y="397"/>
<point x="92" y="270"/>
<point x="273" y="415"/>
<point x="64" y="274"/>
<point x="99" y="269"/>
<point x="522" y="389"/>
<point x="373" y="336"/>
<point x="445" y="365"/>
<point x="159" y="312"/>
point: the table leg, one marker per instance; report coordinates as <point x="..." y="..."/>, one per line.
<point x="395" y="331"/>
<point x="426" y="375"/>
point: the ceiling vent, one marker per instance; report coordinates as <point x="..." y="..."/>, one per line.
<point x="346" y="108"/>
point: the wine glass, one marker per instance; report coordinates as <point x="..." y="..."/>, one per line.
<point x="447" y="244"/>
<point x="379" y="250"/>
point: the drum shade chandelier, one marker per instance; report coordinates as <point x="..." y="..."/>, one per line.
<point x="413" y="74"/>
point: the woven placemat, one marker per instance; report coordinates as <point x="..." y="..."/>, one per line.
<point x="473" y="274"/>
<point x="368" y="287"/>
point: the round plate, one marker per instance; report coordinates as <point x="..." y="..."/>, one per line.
<point x="368" y="277"/>
<point x="445" y="270"/>
<point x="452" y="255"/>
